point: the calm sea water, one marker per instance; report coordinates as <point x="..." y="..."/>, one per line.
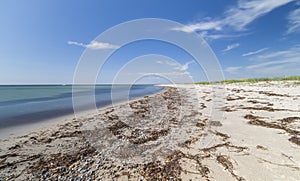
<point x="23" y="104"/>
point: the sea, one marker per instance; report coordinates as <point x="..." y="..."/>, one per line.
<point x="25" y="104"/>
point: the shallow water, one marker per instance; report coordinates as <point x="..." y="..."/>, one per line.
<point x="23" y="104"/>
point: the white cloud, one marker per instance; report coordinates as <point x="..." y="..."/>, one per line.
<point x="230" y="47"/>
<point x="164" y="73"/>
<point x="274" y="54"/>
<point x="292" y="52"/>
<point x="283" y="57"/>
<point x="279" y="70"/>
<point x="254" y="52"/>
<point x="95" y="45"/>
<point x="173" y="64"/>
<point x="76" y="43"/>
<point x="270" y="63"/>
<point x="184" y="67"/>
<point x="294" y="21"/>
<point x="232" y="70"/>
<point x="247" y="11"/>
<point x="236" y="18"/>
<point x="214" y="36"/>
<point x="176" y="65"/>
<point x="277" y="63"/>
<point x="213" y="25"/>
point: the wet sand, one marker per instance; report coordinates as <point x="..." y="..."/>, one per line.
<point x="188" y="132"/>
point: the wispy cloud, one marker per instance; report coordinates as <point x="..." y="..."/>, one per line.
<point x="254" y="52"/>
<point x="173" y="64"/>
<point x="233" y="70"/>
<point x="176" y="65"/>
<point x="275" y="54"/>
<point x="276" y="63"/>
<point x="95" y="45"/>
<point x="291" y="52"/>
<point x="212" y="25"/>
<point x="236" y="18"/>
<point x="230" y="47"/>
<point x="294" y="21"/>
<point x="248" y="11"/>
<point x="164" y="73"/>
<point x="185" y="66"/>
<point x="270" y="63"/>
<point x="287" y="56"/>
<point x="218" y="35"/>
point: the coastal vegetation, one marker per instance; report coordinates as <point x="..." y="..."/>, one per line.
<point x="254" y="80"/>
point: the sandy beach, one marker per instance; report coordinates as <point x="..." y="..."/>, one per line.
<point x="241" y="131"/>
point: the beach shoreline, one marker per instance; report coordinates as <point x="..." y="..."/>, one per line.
<point x="164" y="137"/>
<point x="18" y="130"/>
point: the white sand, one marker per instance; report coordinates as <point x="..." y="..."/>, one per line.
<point x="208" y="137"/>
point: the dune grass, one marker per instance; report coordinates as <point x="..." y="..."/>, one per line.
<point x="254" y="80"/>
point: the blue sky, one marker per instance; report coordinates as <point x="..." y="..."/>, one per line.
<point x="42" y="41"/>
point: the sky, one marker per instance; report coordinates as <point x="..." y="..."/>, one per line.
<point x="41" y="42"/>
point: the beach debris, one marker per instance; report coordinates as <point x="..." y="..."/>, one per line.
<point x="255" y="120"/>
<point x="139" y="137"/>
<point x="227" y="164"/>
<point x="295" y="140"/>
<point x="234" y="98"/>
<point x="260" y="102"/>
<point x="223" y="160"/>
<point x="116" y="128"/>
<point x="260" y="108"/>
<point x="261" y="147"/>
<point x="273" y="94"/>
<point x="170" y="170"/>
<point x="289" y="120"/>
<point x="215" y="123"/>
